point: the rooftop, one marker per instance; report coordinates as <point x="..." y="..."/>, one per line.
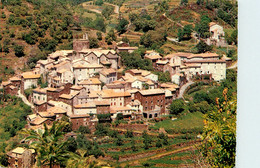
<point x="90" y="81"/>
<point x="152" y="91"/>
<point x="30" y="75"/>
<point x="69" y="96"/>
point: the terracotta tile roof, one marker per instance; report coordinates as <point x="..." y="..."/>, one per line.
<point x="212" y="24"/>
<point x="169" y="85"/>
<point x="81" y="66"/>
<point x="193" y="65"/>
<point x="86" y="105"/>
<point x="205" y="61"/>
<point x="152" y="91"/>
<point x="119" y="109"/>
<point x="30" y="75"/>
<point x="15" y="78"/>
<point x="4" y="83"/>
<point x="38" y="120"/>
<point x="90" y="81"/>
<point x="105" y="62"/>
<point x="152" y="57"/>
<point x="20" y="150"/>
<point x="75" y="87"/>
<point x="102" y="102"/>
<point x="40" y="90"/>
<point x="32" y="116"/>
<point x="115" y="86"/>
<point x="106" y="71"/>
<point x="69" y="96"/>
<point x="61" y="64"/>
<point x="55" y="89"/>
<point x="94" y="65"/>
<point x="79" y="116"/>
<point x="127" y="48"/>
<point x="203" y="55"/>
<point x="46" y="114"/>
<point x="56" y="110"/>
<point x="161" y="61"/>
<point x="52" y="102"/>
<point x="108" y="93"/>
<point x="63" y="70"/>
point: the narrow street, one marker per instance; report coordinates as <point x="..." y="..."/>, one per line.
<point x="24" y="99"/>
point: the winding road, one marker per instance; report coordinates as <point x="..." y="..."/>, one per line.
<point x="183" y="88"/>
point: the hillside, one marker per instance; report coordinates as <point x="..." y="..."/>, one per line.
<point x="31" y="29"/>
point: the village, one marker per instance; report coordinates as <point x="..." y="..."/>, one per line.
<point x="89" y="86"/>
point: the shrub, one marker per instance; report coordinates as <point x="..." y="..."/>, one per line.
<point x="84" y="129"/>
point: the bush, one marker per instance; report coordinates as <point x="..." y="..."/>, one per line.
<point x="177" y="106"/>
<point x="84" y="129"/>
<point x="19" y="50"/>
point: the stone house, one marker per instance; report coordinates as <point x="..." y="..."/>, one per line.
<point x="87" y="108"/>
<point x="126" y="49"/>
<point x="91" y="84"/>
<point x="70" y="99"/>
<point x="65" y="76"/>
<point x="21" y="157"/>
<point x="108" y="75"/>
<point x="153" y="102"/>
<point x="29" y="79"/>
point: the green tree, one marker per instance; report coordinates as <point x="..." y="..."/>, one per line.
<point x="177" y="106"/>
<point x="202" y="28"/>
<point x="84" y="129"/>
<point x="202" y="47"/>
<point x="110" y="37"/>
<point x="48" y="144"/>
<point x="119" y="141"/>
<point x="107" y="11"/>
<point x="184" y="2"/>
<point x="219" y="135"/>
<point x="99" y="35"/>
<point x="80" y="160"/>
<point x="122" y="25"/>
<point x="93" y="42"/>
<point x="99" y="2"/>
<point x="129" y="134"/>
<point x="19" y="50"/>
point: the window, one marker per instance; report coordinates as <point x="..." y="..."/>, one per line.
<point x="146" y="102"/>
<point x="158" y="101"/>
<point x="151" y="101"/>
<point x="114" y="103"/>
<point x="151" y="107"/>
<point x="120" y="104"/>
<point x="145" y="108"/>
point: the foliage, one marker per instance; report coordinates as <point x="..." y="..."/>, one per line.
<point x="107" y="11"/>
<point x="125" y="39"/>
<point x="153" y="39"/>
<point x="103" y="116"/>
<point x="99" y="2"/>
<point x="120" y="116"/>
<point x="79" y="159"/>
<point x="93" y="42"/>
<point x="129" y="134"/>
<point x="99" y="35"/>
<point x="162" y="6"/>
<point x="147" y="140"/>
<point x="122" y="25"/>
<point x="13" y="116"/>
<point x="48" y="144"/>
<point x="101" y="130"/>
<point x="184" y="2"/>
<point x="134" y="60"/>
<point x="163" y="76"/>
<point x="202" y="47"/>
<point x="219" y="135"/>
<point x="144" y="23"/>
<point x="110" y="37"/>
<point x="84" y="129"/>
<point x="202" y="28"/>
<point x="119" y="141"/>
<point x="177" y="106"/>
<point x="185" y="33"/>
<point x="71" y="144"/>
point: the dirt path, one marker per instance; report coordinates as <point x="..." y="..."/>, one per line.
<point x="116" y="9"/>
<point x="173" y="21"/>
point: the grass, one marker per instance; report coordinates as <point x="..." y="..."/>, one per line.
<point x="188" y="121"/>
